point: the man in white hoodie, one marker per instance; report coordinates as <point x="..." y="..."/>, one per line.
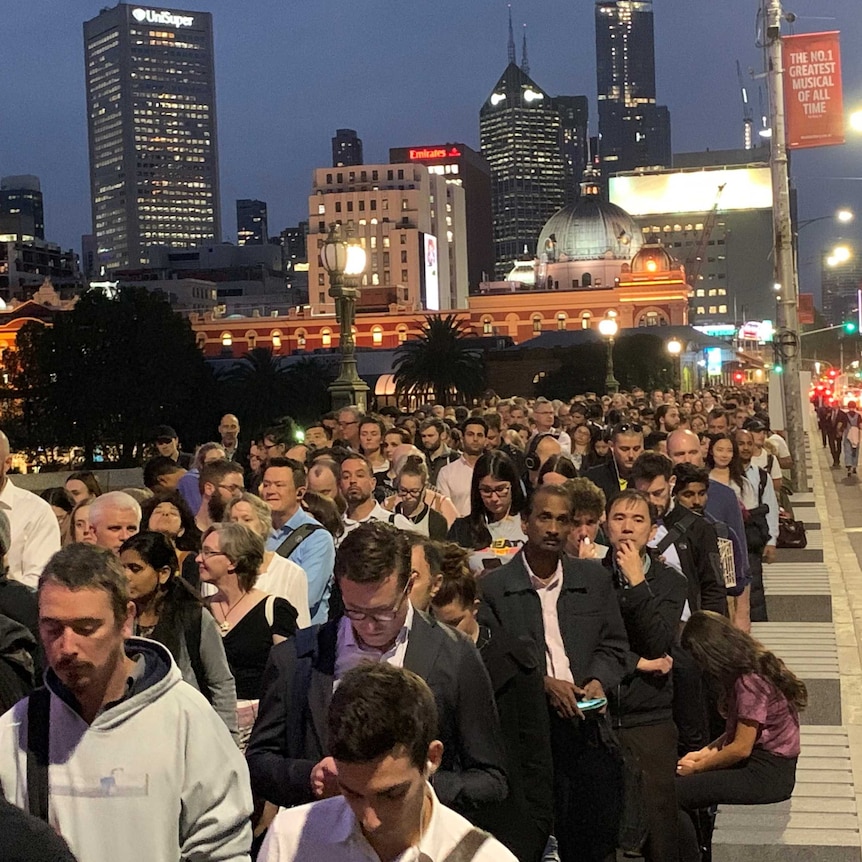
<point x="137" y="765"/>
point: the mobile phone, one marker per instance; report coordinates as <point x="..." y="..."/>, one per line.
<point x="592" y="703"/>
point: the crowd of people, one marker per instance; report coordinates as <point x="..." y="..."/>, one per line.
<point x="516" y="631"/>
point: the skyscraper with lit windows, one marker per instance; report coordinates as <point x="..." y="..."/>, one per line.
<point x="151" y="115"/>
<point x="634" y="130"/>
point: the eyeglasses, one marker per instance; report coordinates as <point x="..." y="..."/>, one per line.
<point x="499" y="491"/>
<point x="345" y="424"/>
<point x="233" y="489"/>
<point x="269" y="446"/>
<point x="628" y="427"/>
<point x="411" y="492"/>
<point x="381" y="616"/>
<point x="206" y="554"/>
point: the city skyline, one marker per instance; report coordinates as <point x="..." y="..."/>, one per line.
<point x="281" y="96"/>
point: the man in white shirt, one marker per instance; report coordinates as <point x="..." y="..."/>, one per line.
<point x="35" y="531"/>
<point x="357" y="487"/>
<point x="544" y="417"/>
<point x="382" y="732"/>
<point x="455" y="479"/>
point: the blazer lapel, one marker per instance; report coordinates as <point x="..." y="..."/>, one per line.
<point x="422" y="646"/>
<point x="319" y="695"/>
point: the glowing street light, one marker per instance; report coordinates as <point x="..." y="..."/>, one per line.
<point x="608" y="327"/>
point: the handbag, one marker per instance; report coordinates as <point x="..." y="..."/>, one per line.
<point x="791" y="534"/>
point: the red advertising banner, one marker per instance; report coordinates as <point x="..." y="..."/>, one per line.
<point x="812" y="90"/>
<point x="805" y="308"/>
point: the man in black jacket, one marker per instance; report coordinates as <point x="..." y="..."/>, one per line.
<point x="566" y="607"/>
<point x="627" y="442"/>
<point x="288" y="750"/>
<point x="651" y="595"/>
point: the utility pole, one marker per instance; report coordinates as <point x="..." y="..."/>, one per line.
<point x="785" y="262"/>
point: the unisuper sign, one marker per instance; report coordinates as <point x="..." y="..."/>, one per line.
<point x="161" y="16"/>
<point x="421" y="154"/>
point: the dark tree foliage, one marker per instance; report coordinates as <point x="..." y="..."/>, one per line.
<point x="111" y="370"/>
<point x="439" y="361"/>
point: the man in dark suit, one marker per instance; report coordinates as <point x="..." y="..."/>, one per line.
<point x="567" y="608"/>
<point x="627" y="442"/>
<point x="288" y="750"/>
<point x="831" y="417"/>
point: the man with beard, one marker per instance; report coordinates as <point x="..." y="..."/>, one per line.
<point x="296" y="535"/>
<point x="627" y="442"/>
<point x="435" y="436"/>
<point x="683" y="447"/>
<point x="455" y="479"/>
<point x="668" y="418"/>
<point x="219" y="483"/>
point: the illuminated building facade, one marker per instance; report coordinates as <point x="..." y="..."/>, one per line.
<point x="412" y="224"/>
<point x="717" y="220"/>
<point x="634" y="131"/>
<point x="462" y="166"/>
<point x="574" y="140"/>
<point x="251" y="223"/>
<point x="520" y="132"/>
<point x="151" y="112"/>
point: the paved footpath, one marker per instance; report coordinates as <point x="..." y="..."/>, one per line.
<point x="814" y="601"/>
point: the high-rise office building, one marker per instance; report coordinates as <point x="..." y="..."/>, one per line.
<point x="634" y="131"/>
<point x="840" y="283"/>
<point x="346" y="148"/>
<point x="151" y="112"/>
<point x="574" y="140"/>
<point x="21" y="201"/>
<point x="519" y="132"/>
<point x="251" y="222"/>
<point x="462" y="166"/>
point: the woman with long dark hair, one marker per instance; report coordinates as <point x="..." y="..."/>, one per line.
<point x="754" y="761"/>
<point x="725" y="465"/>
<point x="492" y="530"/>
<point x="169" y="611"/>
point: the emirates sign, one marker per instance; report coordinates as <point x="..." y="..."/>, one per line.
<point x="423" y="154"/>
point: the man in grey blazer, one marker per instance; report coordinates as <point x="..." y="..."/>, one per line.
<point x="568" y="609"/>
<point x="288" y="750"/>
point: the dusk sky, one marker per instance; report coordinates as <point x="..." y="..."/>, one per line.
<point x="289" y="72"/>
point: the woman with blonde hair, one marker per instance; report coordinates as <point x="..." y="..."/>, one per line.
<point x="434" y="499"/>
<point x="277" y="575"/>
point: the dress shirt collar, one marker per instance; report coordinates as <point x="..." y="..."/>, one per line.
<point x="347" y="642"/>
<point x="538" y="584"/>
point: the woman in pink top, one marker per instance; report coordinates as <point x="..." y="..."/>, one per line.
<point x="754" y="761"/>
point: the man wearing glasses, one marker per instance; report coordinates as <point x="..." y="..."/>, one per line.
<point x="627" y="442"/>
<point x="288" y="754"/>
<point x="348" y="427"/>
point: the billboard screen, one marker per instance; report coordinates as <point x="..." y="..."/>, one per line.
<point x="695" y="191"/>
<point x="430" y="261"/>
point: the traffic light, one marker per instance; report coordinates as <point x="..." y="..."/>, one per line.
<point x="849" y="327"/>
<point x="777" y="369"/>
<point x="739" y="377"/>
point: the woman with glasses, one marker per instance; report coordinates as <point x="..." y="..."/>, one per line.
<point x="168" y="611"/>
<point x="411" y="484"/>
<point x="492" y="530"/>
<point x="250" y="621"/>
<point x="436" y="501"/>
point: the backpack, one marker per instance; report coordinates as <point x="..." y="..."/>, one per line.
<point x="756" y="525"/>
<point x="296" y="538"/>
<point x="18" y="662"/>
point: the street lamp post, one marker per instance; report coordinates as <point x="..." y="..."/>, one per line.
<point x="609" y="327"/>
<point x="674" y="348"/>
<point x="344" y="261"/>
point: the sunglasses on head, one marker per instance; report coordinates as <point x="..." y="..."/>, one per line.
<point x="628" y="428"/>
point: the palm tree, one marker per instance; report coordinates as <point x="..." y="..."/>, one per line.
<point x="440" y="362"/>
<point x="257" y="388"/>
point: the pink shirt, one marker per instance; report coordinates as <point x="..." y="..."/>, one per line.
<point x="556" y="660"/>
<point x="757" y="699"/>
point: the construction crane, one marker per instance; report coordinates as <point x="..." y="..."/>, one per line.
<point x="747" y="114"/>
<point x="694" y="262"/>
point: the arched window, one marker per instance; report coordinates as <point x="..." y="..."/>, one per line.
<point x="537" y="323"/>
<point x="586" y="318"/>
<point x="300" y="338"/>
<point x="251" y="339"/>
<point x="200" y="340"/>
<point x="402" y="334"/>
<point x="562" y="320"/>
<point x="377" y="335"/>
<point x="586" y="280"/>
<point x="276" y="339"/>
<point x="226" y="339"/>
<point x="487" y="326"/>
<point x="326" y="337"/>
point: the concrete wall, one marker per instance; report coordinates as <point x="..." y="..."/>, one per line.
<point x="110" y="480"/>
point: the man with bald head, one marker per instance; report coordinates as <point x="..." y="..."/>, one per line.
<point x="35" y="531"/>
<point x="228" y="429"/>
<point x="683" y="447"/>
